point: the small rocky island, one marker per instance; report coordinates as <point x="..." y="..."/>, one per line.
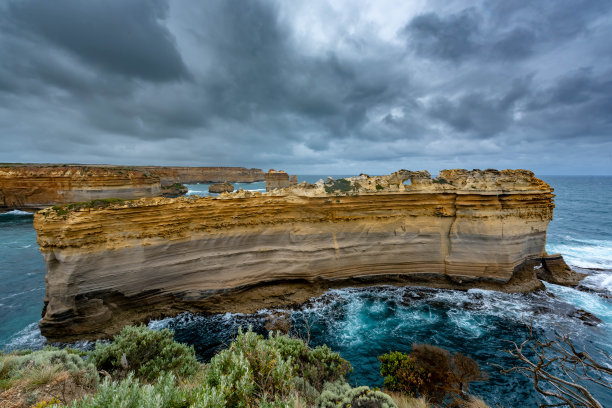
<point x="134" y="260"/>
<point x="221" y="188"/>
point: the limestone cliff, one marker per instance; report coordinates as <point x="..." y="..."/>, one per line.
<point x="35" y="187"/>
<point x="277" y="179"/>
<point x="191" y="175"/>
<point x="241" y="251"/>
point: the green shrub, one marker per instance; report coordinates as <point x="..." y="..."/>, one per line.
<point x="340" y="394"/>
<point x="130" y="393"/>
<point x="402" y="373"/>
<point x="148" y="353"/>
<point x="430" y="371"/>
<point x="440" y="180"/>
<point x="340" y="185"/>
<point x="38" y="368"/>
<point x="272" y="371"/>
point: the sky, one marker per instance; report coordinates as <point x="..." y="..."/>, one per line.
<point x="311" y="87"/>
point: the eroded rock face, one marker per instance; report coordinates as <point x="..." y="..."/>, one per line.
<point x="555" y="270"/>
<point x="191" y="175"/>
<point x="220" y="188"/>
<point x="174" y="190"/>
<point x="243" y="251"/>
<point x="35" y="187"/>
<point x="276" y="179"/>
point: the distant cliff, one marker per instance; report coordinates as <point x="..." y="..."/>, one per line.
<point x="35" y="187"/>
<point x="30" y="187"/>
<point x="191" y="175"/>
<point x="242" y="251"/>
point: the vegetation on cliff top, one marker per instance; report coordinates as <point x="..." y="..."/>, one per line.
<point x="145" y="368"/>
<point x="97" y="203"/>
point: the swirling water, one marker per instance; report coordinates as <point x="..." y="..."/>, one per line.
<point x="362" y="323"/>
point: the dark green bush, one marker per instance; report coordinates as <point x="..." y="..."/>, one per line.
<point x="402" y="373"/>
<point x="440" y="180"/>
<point x="430" y="371"/>
<point x="148" y="353"/>
<point x="341" y="185"/>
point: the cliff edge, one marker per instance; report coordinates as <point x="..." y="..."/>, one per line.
<point x="242" y="251"/>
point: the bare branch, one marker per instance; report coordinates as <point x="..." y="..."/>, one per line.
<point x="559" y="355"/>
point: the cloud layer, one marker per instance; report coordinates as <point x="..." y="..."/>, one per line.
<point x="312" y="87"/>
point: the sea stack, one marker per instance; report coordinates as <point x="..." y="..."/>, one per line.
<point x="221" y="188"/>
<point x="239" y="252"/>
<point x="276" y="179"/>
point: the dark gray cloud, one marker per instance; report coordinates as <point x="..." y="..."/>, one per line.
<point x="123" y="37"/>
<point x="309" y="86"/>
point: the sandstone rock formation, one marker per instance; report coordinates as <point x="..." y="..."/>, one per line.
<point x="174" y="190"/>
<point x="191" y="175"/>
<point x="276" y="179"/>
<point x="30" y="187"/>
<point x="220" y="188"/>
<point x="242" y="251"/>
<point x="35" y="187"/>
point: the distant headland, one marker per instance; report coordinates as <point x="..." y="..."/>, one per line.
<point x="36" y="186"/>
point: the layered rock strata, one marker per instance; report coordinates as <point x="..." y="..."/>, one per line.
<point x="31" y="187"/>
<point x="276" y="179"/>
<point x="242" y="251"/>
<point x="35" y="187"/>
<point x="192" y="175"/>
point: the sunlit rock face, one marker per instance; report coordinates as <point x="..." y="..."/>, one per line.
<point x="239" y="252"/>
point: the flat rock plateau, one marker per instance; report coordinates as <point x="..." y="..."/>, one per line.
<point x="243" y="251"/>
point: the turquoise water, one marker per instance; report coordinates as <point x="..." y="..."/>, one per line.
<point x="364" y="323"/>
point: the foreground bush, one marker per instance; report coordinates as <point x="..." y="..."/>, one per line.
<point x="254" y="370"/>
<point x="50" y="374"/>
<point x="340" y="394"/>
<point x="146" y="368"/>
<point x="146" y="353"/>
<point x="130" y="393"/>
<point x="432" y="372"/>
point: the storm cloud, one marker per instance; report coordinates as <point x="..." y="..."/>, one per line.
<point x="312" y="87"/>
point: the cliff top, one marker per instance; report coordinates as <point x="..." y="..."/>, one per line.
<point x="458" y="181"/>
<point x="11" y="171"/>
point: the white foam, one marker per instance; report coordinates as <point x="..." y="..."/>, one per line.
<point x="584" y="300"/>
<point x="16" y="212"/>
<point x="27" y="338"/>
<point x="598" y="281"/>
<point x="585" y="253"/>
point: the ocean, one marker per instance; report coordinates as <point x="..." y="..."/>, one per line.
<point x="362" y="323"/>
